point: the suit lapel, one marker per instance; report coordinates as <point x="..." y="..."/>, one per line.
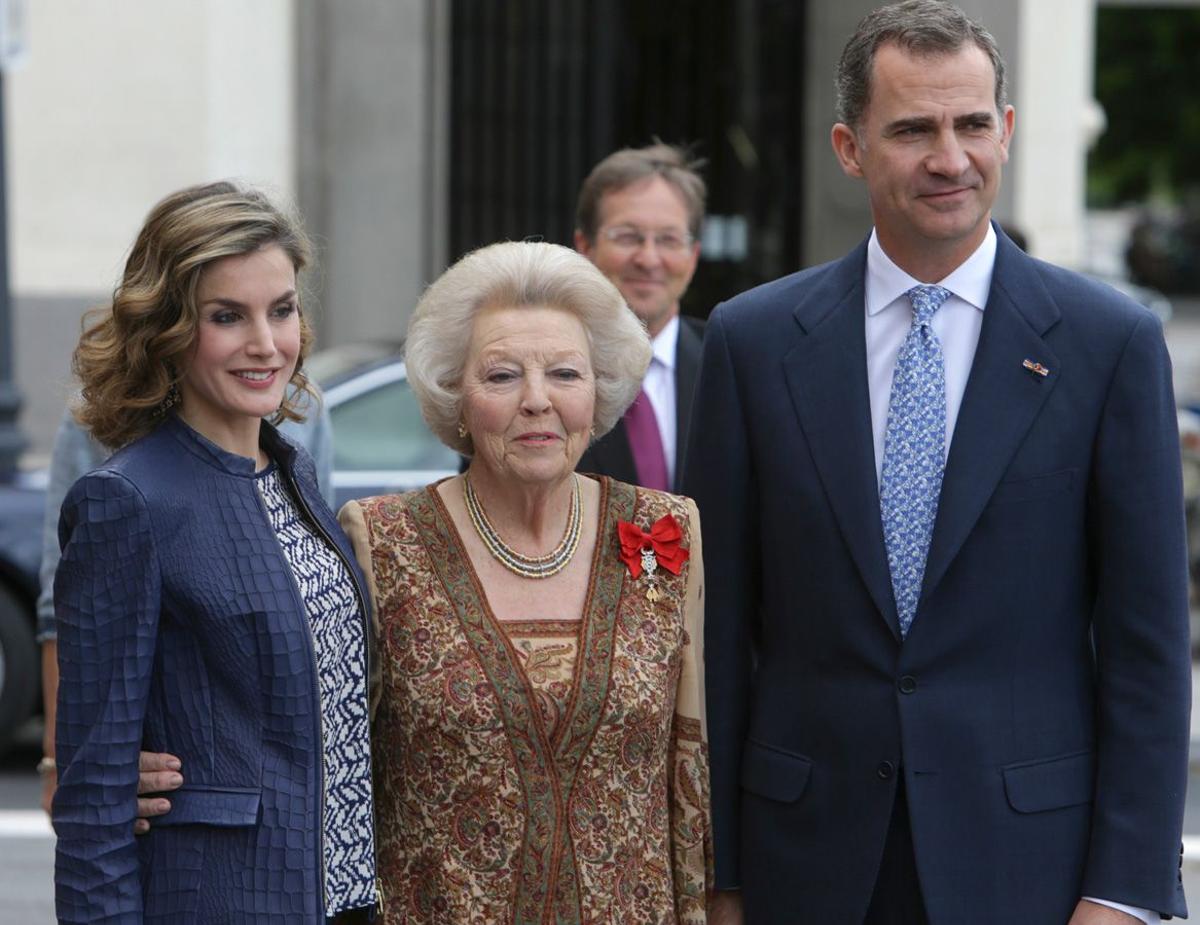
<point x="687" y="366"/>
<point x="826" y="373"/>
<point x="999" y="405"/>
<point x="611" y="455"/>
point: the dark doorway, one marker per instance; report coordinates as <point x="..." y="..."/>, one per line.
<point x="542" y="89"/>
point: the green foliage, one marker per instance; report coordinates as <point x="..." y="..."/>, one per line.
<point x="1148" y="81"/>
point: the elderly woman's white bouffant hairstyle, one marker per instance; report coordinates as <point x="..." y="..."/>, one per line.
<point x="516" y="274"/>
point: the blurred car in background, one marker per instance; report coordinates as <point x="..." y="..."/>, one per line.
<point x="1163" y="248"/>
<point x="22" y="499"/>
<point x="381" y="445"/>
<point x="1143" y="295"/>
<point x="380" y="441"/>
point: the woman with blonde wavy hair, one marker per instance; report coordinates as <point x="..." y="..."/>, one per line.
<point x="208" y="606"/>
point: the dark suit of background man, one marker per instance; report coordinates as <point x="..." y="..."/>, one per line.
<point x="638" y="220"/>
<point x="978" y="712"/>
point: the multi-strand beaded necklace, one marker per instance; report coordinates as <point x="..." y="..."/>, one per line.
<point x="527" y="566"/>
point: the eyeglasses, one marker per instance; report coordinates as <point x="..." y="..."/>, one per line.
<point x="629" y="238"/>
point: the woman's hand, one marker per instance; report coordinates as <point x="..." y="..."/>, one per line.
<point x="157" y="772"/>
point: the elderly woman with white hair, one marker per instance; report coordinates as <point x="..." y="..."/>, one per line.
<point x="539" y="740"/>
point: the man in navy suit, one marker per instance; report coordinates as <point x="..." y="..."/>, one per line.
<point x="638" y="219"/>
<point x="946" y="625"/>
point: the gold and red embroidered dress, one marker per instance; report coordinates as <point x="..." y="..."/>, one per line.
<point x="536" y="772"/>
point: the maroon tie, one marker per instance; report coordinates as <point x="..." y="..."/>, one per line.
<point x="646" y="442"/>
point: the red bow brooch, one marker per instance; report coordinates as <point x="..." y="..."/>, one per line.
<point x="643" y="551"/>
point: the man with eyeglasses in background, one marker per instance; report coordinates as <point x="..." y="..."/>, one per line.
<point x="638" y="219"/>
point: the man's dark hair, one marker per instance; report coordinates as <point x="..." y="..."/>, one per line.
<point x="918" y="27"/>
<point x="632" y="165"/>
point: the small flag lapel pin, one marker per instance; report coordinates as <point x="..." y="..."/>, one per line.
<point x="1036" y="368"/>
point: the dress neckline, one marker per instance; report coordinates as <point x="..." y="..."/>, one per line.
<point x="595" y="626"/>
<point x="459" y="545"/>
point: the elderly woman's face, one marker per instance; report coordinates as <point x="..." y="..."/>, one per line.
<point x="529" y="393"/>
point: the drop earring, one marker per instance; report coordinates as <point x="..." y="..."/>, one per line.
<point x="170" y="400"/>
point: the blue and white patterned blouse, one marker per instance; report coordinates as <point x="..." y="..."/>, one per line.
<point x="339" y="641"/>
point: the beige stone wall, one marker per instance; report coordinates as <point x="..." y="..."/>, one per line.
<point x="1048" y="48"/>
<point x="122" y="101"/>
<point x="119" y="103"/>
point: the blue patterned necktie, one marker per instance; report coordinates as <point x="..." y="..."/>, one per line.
<point x="914" y="452"/>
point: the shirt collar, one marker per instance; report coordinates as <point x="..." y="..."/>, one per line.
<point x="971" y="280"/>
<point x="664" y="343"/>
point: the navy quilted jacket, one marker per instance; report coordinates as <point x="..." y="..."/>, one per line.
<point x="181" y="629"/>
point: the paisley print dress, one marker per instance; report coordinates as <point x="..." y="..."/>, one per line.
<point x="547" y="772"/>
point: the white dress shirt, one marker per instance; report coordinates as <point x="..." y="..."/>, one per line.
<point x="957" y="324"/>
<point x="659" y="386"/>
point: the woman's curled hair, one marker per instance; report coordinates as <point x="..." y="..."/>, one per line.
<point x="133" y="351"/>
<point x="515" y="275"/>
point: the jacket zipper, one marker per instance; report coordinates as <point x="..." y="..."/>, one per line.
<point x="365" y="614"/>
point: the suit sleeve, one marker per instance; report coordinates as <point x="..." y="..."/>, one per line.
<point x="107" y="594"/>
<point x="720" y="477"/>
<point x="1141" y="635"/>
<point x="691" y="817"/>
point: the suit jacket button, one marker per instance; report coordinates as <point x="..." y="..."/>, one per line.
<point x="907" y="684"/>
<point x="885" y="770"/>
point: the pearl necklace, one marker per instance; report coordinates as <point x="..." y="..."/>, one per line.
<point x="515" y="562"/>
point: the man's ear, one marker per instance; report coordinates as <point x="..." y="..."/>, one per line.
<point x="847" y="149"/>
<point x="582" y="244"/>
<point x="1007" y="124"/>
